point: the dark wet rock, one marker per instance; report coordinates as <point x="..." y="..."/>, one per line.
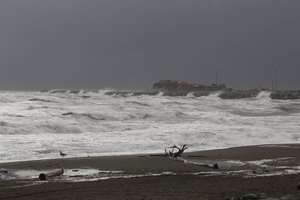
<point x="250" y="197"/>
<point x="74" y="91"/>
<point x="260" y="171"/>
<point x="216" y="166"/>
<point x="57" y="91"/>
<point x="285" y="95"/>
<point x="153" y="93"/>
<point x="298" y="186"/>
<point x="239" y="94"/>
<point x="144" y="93"/>
<point x="175" y="93"/>
<point x="171" y="85"/>
<point x="289" y="197"/>
<point x="183" y="88"/>
<point x="200" y="94"/>
<point x="262" y="196"/>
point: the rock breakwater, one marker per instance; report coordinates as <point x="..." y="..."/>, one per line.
<point x="226" y="94"/>
<point x="239" y="94"/>
<point x="183" y="88"/>
<point x="288" y="94"/>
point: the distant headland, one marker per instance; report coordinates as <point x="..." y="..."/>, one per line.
<point x="183" y="88"/>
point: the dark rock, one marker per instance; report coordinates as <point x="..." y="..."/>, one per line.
<point x="284" y="95"/>
<point x="74" y="91"/>
<point x="239" y="94"/>
<point x="216" y="166"/>
<point x="289" y="197"/>
<point x="262" y="196"/>
<point x="260" y="171"/>
<point x="250" y="197"/>
<point x="202" y="93"/>
<point x="171" y="85"/>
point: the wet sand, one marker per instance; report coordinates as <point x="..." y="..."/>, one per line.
<point x="270" y="169"/>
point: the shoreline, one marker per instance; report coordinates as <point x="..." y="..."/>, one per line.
<point x="271" y="169"/>
<point x="287" y="145"/>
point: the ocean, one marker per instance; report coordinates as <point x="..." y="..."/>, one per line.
<point x="37" y="125"/>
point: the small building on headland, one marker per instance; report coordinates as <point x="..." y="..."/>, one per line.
<point x="171" y="85"/>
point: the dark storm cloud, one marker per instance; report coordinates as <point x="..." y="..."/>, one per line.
<point x="132" y="43"/>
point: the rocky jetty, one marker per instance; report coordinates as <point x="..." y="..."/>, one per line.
<point x="170" y="85"/>
<point x="183" y="88"/>
<point x="288" y="94"/>
<point x="239" y="94"/>
<point x="153" y="93"/>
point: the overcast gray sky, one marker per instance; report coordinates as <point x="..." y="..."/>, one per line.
<point x="124" y="44"/>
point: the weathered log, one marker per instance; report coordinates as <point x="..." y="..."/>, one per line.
<point x="52" y="173"/>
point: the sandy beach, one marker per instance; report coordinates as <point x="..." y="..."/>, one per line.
<point x="270" y="169"/>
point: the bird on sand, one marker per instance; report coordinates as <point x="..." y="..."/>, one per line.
<point x="62" y="154"/>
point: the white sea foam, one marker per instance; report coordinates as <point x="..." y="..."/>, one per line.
<point x="36" y="125"/>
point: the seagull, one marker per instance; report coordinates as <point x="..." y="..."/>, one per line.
<point x="62" y="154"/>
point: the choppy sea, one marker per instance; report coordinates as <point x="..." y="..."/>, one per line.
<point x="37" y="125"/>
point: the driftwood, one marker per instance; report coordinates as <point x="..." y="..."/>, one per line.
<point x="52" y="173"/>
<point x="177" y="153"/>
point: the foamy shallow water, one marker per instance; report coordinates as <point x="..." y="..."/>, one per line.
<point x="245" y="169"/>
<point x="36" y="125"/>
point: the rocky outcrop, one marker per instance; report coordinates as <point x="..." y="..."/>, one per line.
<point x="284" y="95"/>
<point x="183" y="88"/>
<point x="153" y="93"/>
<point x="239" y="94"/>
<point x="170" y="85"/>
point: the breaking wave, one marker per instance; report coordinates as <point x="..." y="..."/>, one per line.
<point x="89" y="123"/>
